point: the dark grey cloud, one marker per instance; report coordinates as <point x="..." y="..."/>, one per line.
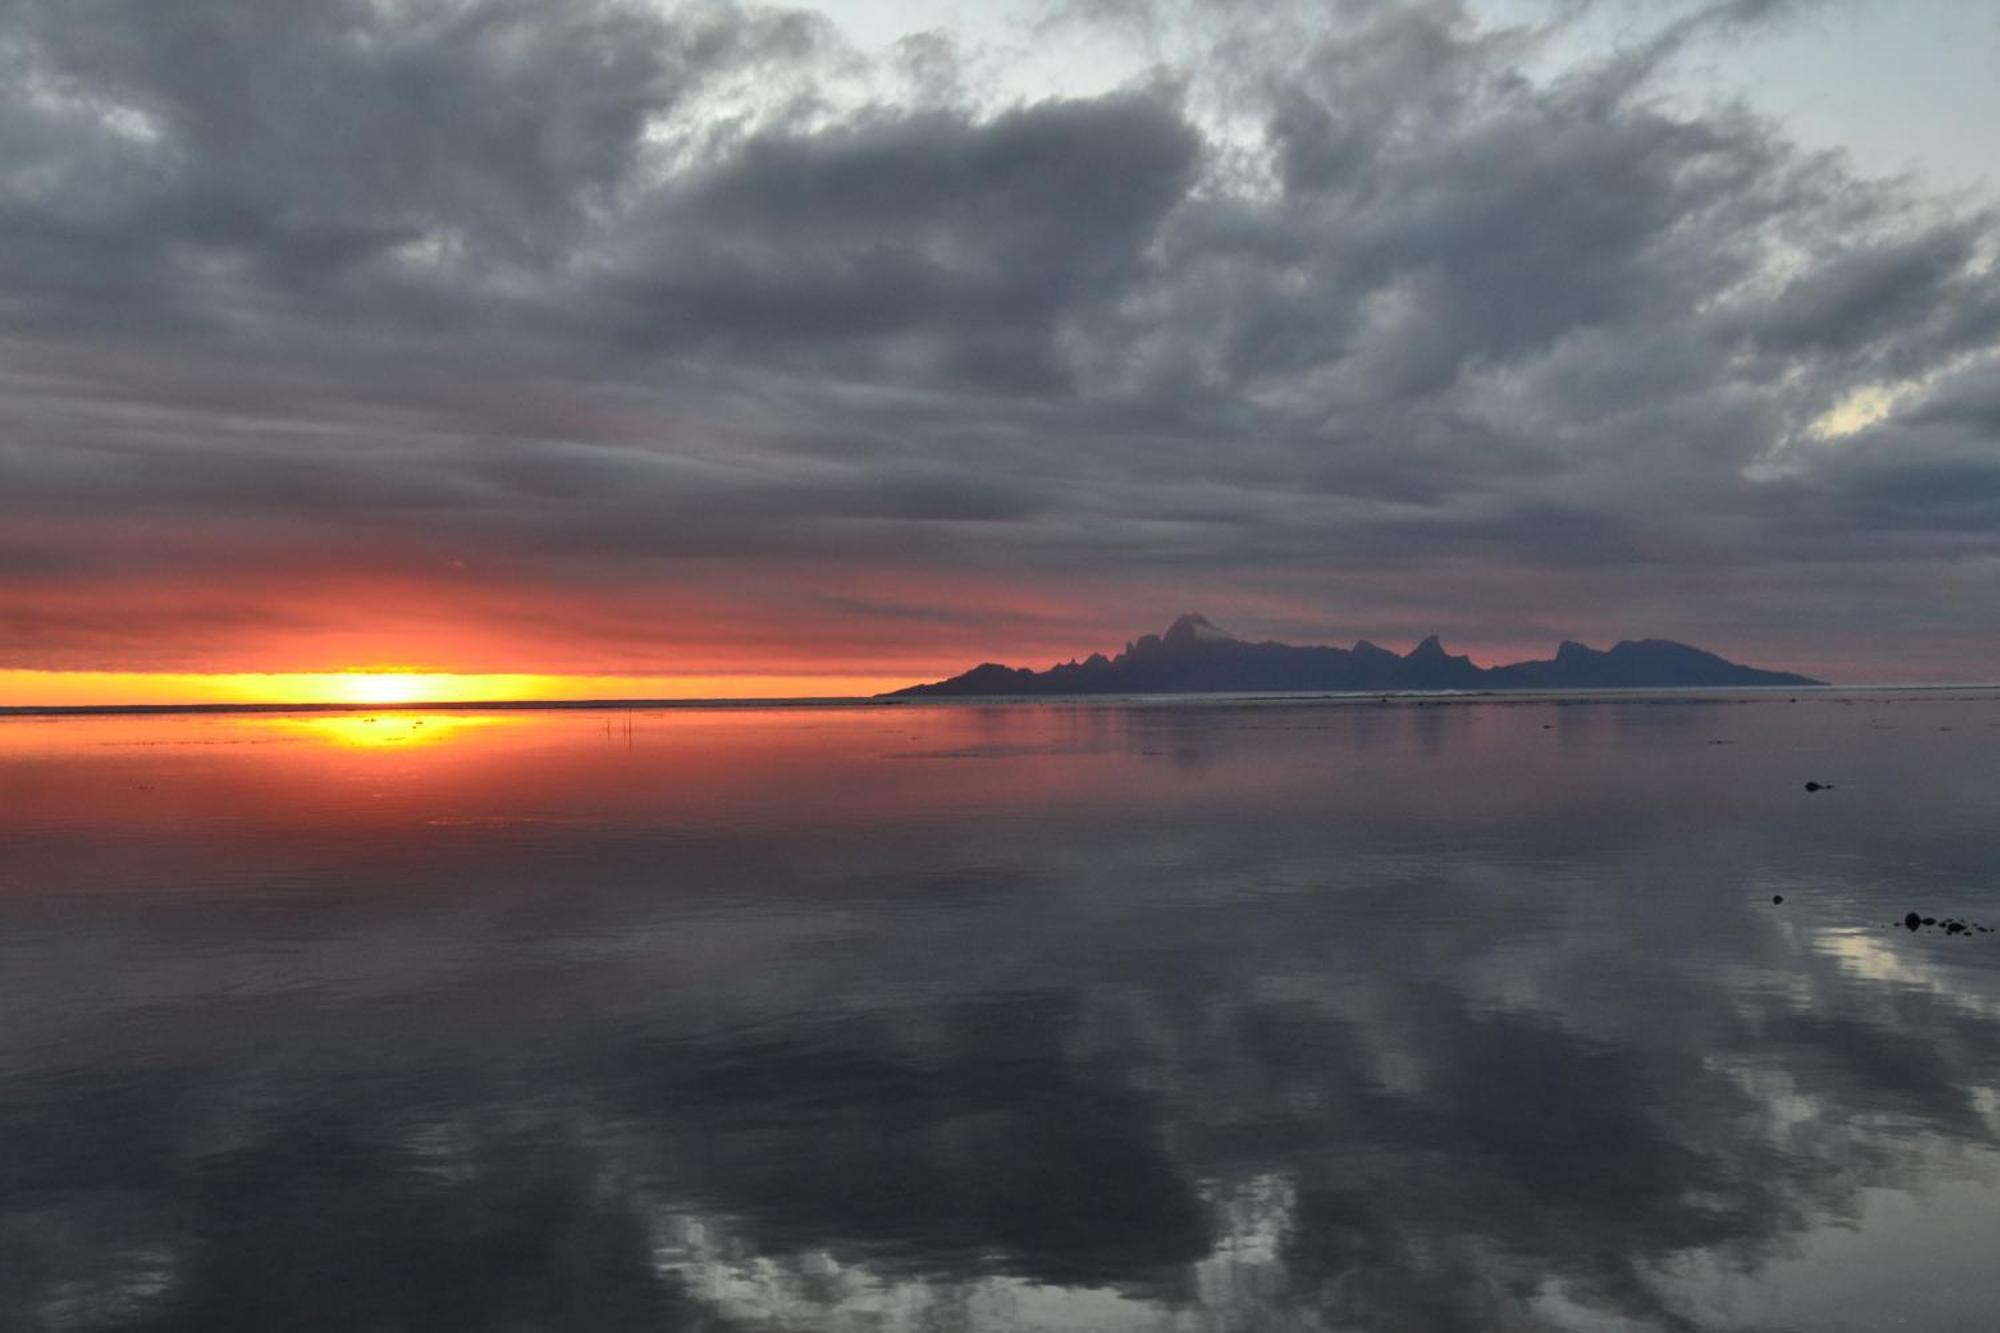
<point x="1330" y="309"/>
<point x="322" y="159"/>
<point x="911" y="246"/>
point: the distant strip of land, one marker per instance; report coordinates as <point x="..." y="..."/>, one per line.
<point x="1685" y="695"/>
<point x="428" y="706"/>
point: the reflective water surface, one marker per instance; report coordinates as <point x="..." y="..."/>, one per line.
<point x="1175" y="1015"/>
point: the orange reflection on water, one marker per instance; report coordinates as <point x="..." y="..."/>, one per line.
<point x="303" y="785"/>
<point x="378" y="731"/>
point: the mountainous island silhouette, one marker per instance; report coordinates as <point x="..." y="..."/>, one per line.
<point x="1195" y="656"/>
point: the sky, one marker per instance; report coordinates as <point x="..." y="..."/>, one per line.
<point x="763" y="351"/>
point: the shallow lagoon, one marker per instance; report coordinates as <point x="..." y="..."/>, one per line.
<point x="1179" y="1014"/>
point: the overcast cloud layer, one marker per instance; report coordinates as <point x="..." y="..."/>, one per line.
<point x="604" y="337"/>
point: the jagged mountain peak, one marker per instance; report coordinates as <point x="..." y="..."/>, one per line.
<point x="1194" y="627"/>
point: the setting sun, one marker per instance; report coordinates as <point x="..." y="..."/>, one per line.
<point x="387" y="687"/>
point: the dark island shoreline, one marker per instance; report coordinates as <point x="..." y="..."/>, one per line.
<point x="1195" y="656"/>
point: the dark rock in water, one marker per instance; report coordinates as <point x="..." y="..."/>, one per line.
<point x="1953" y="928"/>
<point x="1913" y="921"/>
<point x="1777" y="897"/>
<point x="1930" y="921"/>
<point x="1815" y="786"/>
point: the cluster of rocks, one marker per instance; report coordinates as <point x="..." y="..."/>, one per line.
<point x="1950" y="925"/>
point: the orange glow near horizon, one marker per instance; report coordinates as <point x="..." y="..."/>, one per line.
<point x="400" y="686"/>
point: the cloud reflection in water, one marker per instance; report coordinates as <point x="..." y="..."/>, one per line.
<point x="1218" y="1017"/>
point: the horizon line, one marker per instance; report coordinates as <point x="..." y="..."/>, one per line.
<point x="119" y="691"/>
<point x="893" y="699"/>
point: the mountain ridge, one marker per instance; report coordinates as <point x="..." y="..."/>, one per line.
<point x="1196" y="656"/>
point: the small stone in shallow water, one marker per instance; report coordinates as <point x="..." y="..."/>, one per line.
<point x="1913" y="921"/>
<point x="1815" y="786"/>
<point x="1777" y="897"/>
<point x="1930" y="921"/>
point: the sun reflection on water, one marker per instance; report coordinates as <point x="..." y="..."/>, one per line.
<point x="380" y="731"/>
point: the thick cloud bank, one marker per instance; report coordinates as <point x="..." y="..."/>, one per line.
<point x="547" y="332"/>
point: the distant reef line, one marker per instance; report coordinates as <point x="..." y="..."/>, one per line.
<point x="1195" y="656"/>
<point x="433" y="706"/>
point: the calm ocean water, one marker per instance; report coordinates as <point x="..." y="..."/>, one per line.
<point x="1177" y="1015"/>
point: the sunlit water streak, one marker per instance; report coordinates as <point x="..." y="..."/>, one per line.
<point x="1192" y="1015"/>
